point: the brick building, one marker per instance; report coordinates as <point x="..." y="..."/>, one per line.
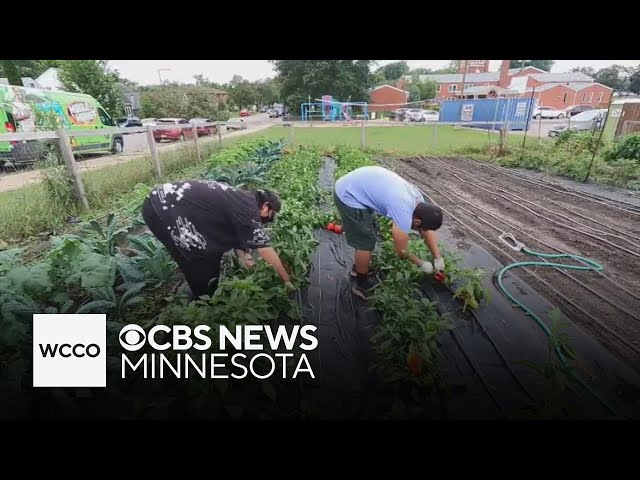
<point x="385" y="95"/>
<point x="559" y="90"/>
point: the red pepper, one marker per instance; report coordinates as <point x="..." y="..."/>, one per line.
<point x="331" y="226"/>
<point x="439" y="276"/>
<point x="338" y="229"/>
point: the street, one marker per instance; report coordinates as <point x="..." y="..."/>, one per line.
<point x="135" y="146"/>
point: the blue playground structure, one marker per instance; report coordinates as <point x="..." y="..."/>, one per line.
<point x="332" y="110"/>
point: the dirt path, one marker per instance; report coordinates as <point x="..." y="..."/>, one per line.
<point x="18" y="180"/>
<point x="550" y="220"/>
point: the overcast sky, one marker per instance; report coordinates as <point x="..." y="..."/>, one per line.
<point x="221" y="71"/>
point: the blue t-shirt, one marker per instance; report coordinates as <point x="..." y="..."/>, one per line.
<point x="383" y="191"/>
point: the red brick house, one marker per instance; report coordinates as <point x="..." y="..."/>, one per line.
<point x="385" y="95"/>
<point x="558" y="90"/>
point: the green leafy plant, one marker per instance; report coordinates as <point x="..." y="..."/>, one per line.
<point x="555" y="377"/>
<point x="108" y="236"/>
<point x="624" y="147"/>
<point x="107" y="301"/>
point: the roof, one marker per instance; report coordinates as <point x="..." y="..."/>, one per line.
<point x="483" y="90"/>
<point x="576" y="87"/>
<point x="388" y="86"/>
<point x="562" y="77"/>
<point x="513" y="71"/>
<point x="457" y="77"/>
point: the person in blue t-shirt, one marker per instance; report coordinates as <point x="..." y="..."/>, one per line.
<point x="367" y="191"/>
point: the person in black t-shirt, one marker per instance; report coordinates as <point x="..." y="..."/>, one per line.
<point x="199" y="220"/>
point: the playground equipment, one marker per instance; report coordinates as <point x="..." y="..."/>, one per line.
<point x="332" y="110"/>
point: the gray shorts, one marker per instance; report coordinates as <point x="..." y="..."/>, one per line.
<point x="359" y="225"/>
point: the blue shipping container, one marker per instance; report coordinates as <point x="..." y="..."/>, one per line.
<point x="491" y="113"/>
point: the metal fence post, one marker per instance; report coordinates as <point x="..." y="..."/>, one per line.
<point x="155" y="158"/>
<point x="72" y="167"/>
<point x="219" y="134"/>
<point x="194" y="129"/>
<point x="363" y="136"/>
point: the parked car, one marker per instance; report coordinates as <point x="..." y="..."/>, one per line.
<point x="399" y="114"/>
<point x="273" y="113"/>
<point x="204" y="129"/>
<point x="264" y="109"/>
<point x="236" y="124"/>
<point x="148" y="121"/>
<point x="421" y="115"/>
<point x="244" y="112"/>
<point x="576" y="109"/>
<point x="128" y="122"/>
<point x="172" y="134"/>
<point x="582" y="122"/>
<point x="548" y="112"/>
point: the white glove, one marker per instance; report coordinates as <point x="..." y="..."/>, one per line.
<point x="426" y="267"/>
<point x="438" y="263"/>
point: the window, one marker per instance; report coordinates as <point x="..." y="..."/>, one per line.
<point x="438" y="88"/>
<point x="584" y="97"/>
<point x="600" y="97"/>
<point x="183" y="122"/>
<point x="128" y="111"/>
<point x="590" y="97"/>
<point x="468" y="85"/>
<point x="104" y="118"/>
<point x="453" y="87"/>
<point x="564" y="99"/>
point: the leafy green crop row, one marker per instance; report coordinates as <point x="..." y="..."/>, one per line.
<point x="406" y="340"/>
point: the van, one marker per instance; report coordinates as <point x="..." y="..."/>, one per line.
<point x="25" y="110"/>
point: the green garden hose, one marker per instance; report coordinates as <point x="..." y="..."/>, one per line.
<point x="588" y="264"/>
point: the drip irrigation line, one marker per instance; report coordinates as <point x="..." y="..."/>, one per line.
<point x="513" y="195"/>
<point x="513" y="227"/>
<point x="534" y="275"/>
<point x="548" y="185"/>
<point x="530" y="313"/>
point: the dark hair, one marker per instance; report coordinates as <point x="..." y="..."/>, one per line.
<point x="429" y="215"/>
<point x="267" y="196"/>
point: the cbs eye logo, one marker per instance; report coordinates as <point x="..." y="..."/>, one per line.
<point x="132" y="338"/>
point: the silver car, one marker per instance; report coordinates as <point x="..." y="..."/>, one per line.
<point x="423" y="115"/>
<point x="582" y="122"/>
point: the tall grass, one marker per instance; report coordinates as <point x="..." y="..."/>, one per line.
<point x="49" y="205"/>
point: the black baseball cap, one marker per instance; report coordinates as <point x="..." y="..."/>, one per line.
<point x="267" y="196"/>
<point x="430" y="216"/>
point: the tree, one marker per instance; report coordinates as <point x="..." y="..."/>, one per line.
<point x="614" y="77"/>
<point x="586" y="70"/>
<point x="541" y="64"/>
<point x="93" y="78"/>
<point x="420" y="71"/>
<point x="10" y="70"/>
<point x="268" y="91"/>
<point x="634" y="80"/>
<point x="414" y="93"/>
<point x="394" y="71"/>
<point x="427" y="89"/>
<point x="180" y="101"/>
<point x="343" y="79"/>
<point x="242" y="92"/>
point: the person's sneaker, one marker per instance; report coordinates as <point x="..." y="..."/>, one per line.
<point x="354" y="274"/>
<point x="364" y="290"/>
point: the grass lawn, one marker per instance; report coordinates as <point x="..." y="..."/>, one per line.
<point x="409" y="140"/>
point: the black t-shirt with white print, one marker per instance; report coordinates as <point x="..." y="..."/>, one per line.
<point x="207" y="217"/>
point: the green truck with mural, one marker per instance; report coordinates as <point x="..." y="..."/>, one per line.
<point x="25" y="110"/>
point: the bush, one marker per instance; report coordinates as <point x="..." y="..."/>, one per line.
<point x="627" y="147"/>
<point x="578" y="142"/>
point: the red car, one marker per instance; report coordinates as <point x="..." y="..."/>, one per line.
<point x="244" y="112"/>
<point x="204" y="129"/>
<point x="172" y="134"/>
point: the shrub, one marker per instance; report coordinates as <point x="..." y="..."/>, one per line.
<point x="627" y="147"/>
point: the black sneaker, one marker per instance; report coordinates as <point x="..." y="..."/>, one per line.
<point x="354" y="274"/>
<point x="364" y="290"/>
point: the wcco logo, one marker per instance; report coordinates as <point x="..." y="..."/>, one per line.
<point x="69" y="350"/>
